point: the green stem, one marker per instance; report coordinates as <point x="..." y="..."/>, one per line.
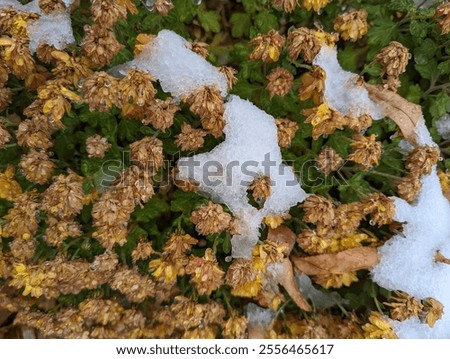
<point x="387" y="175"/>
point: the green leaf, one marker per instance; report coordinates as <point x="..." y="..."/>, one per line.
<point x="418" y="29"/>
<point x="440" y="106"/>
<point x="414" y="93"/>
<point x="210" y="20"/>
<point x="240" y="24"/>
<point x="184" y="201"/>
<point x="382" y="33"/>
<point x="153" y="209"/>
<point x="428" y="70"/>
<point x="251" y="6"/>
<point x="444" y="67"/>
<point x="266" y="21"/>
<point x="425" y="52"/>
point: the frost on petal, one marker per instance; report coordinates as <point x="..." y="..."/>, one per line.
<point x="342" y="93"/>
<point x="250" y="149"/>
<point x="179" y="70"/>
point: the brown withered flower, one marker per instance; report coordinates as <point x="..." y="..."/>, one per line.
<point x="403" y="306"/>
<point x="287" y="5"/>
<point x="49" y="6"/>
<point x="72" y="68"/>
<point x="286" y="130"/>
<point x="230" y="74"/>
<point x="324" y="120"/>
<point x="37" y="167"/>
<point x="138" y="182"/>
<point x="96" y="146"/>
<point x="243" y="278"/>
<point x="17" y="56"/>
<point x="5" y="136"/>
<point x="65" y="196"/>
<point x="315" y="5"/>
<point x="393" y="59"/>
<point x="260" y="188"/>
<point x="99" y="45"/>
<point x="132" y="284"/>
<point x="5" y="98"/>
<point x="348" y="217"/>
<point x="268" y="47"/>
<point x="312" y="85"/>
<point x="329" y="160"/>
<point x="210" y="219"/>
<point x="136" y="88"/>
<point x="380" y="208"/>
<point x="59" y="230"/>
<point x="142" y="40"/>
<point x="312" y="242"/>
<point x="31" y="134"/>
<point x="142" y="251"/>
<point x="147" y="153"/>
<point x="190" y="139"/>
<point x="318" y="209"/>
<point x="360" y="123"/>
<point x="421" y="160"/>
<point x="213" y="125"/>
<point x="100" y="91"/>
<point x="21" y="219"/>
<point x="303" y="41"/>
<point x="279" y="82"/>
<point x="200" y="48"/>
<point x="444" y="12"/>
<point x="160" y="113"/>
<point x="206" y="102"/>
<point x="163" y="6"/>
<point x="179" y="244"/>
<point x="44" y="53"/>
<point x="352" y="25"/>
<point x="107" y="12"/>
<point x="206" y="275"/>
<point x="434" y="311"/>
<point x="235" y="327"/>
<point x="366" y="151"/>
<point x="409" y="186"/>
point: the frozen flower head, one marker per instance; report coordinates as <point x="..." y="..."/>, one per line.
<point x="100" y="91"/>
<point x="366" y="151"/>
<point x="200" y="48"/>
<point x="279" y="82"/>
<point x="210" y="219"/>
<point x="352" y="25"/>
<point x="37" y="167"/>
<point x="49" y="6"/>
<point x="315" y="5"/>
<point x="268" y="47"/>
<point x="96" y="146"/>
<point x="329" y="160"/>
<point x="403" y="306"/>
<point x="303" y="41"/>
<point x="422" y="159"/>
<point x="190" y="139"/>
<point x="286" y="131"/>
<point x="443" y="12"/>
<point x="260" y="188"/>
<point x="380" y="208"/>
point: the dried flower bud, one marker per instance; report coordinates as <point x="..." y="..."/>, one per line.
<point x="352" y="25"/>
<point x="408" y="187"/>
<point x="210" y="219"/>
<point x="230" y="74"/>
<point x="303" y="40"/>
<point x="319" y="210"/>
<point x="444" y="12"/>
<point x="106" y="12"/>
<point x="393" y="59"/>
<point x="312" y="85"/>
<point x="280" y="82"/>
<point x="286" y="131"/>
<point x="360" y="123"/>
<point x="100" y="91"/>
<point x="147" y="153"/>
<point x="287" y="5"/>
<point x="260" y="188"/>
<point x="329" y="160"/>
<point x="403" y="306"/>
<point x="380" y="207"/>
<point x="324" y="120"/>
<point x="366" y="151"/>
<point x="268" y="47"/>
<point x="49" y="6"/>
<point x="378" y="328"/>
<point x="190" y="139"/>
<point x="316" y="5"/>
<point x="163" y="6"/>
<point x="206" y="102"/>
<point x="421" y="160"/>
<point x="236" y="326"/>
<point x="160" y="114"/>
<point x="17" y="56"/>
<point x="59" y="230"/>
<point x="31" y="133"/>
<point x="37" y="167"/>
<point x="206" y="275"/>
<point x="200" y="48"/>
<point x="100" y="45"/>
<point x="96" y="146"/>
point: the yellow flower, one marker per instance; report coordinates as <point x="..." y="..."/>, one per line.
<point x="322" y="113"/>
<point x="31" y="281"/>
<point x="316" y="5"/>
<point x="352" y="25"/>
<point x="334" y="280"/>
<point x="9" y="188"/>
<point x="166" y="270"/>
<point x="273" y="221"/>
<point x="444" y="178"/>
<point x="249" y="289"/>
<point x="378" y="328"/>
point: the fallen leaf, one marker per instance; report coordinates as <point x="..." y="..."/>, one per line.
<point x="404" y="113"/>
<point x="284" y="236"/>
<point x="440" y="258"/>
<point x="338" y="263"/>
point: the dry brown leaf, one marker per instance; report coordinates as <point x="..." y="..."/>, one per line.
<point x="404" y="113"/>
<point x="257" y="332"/>
<point x="338" y="263"/>
<point x="284" y="236"/>
<point x="440" y="258"/>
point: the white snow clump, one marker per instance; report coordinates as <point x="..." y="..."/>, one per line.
<point x="52" y="29"/>
<point x="443" y="126"/>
